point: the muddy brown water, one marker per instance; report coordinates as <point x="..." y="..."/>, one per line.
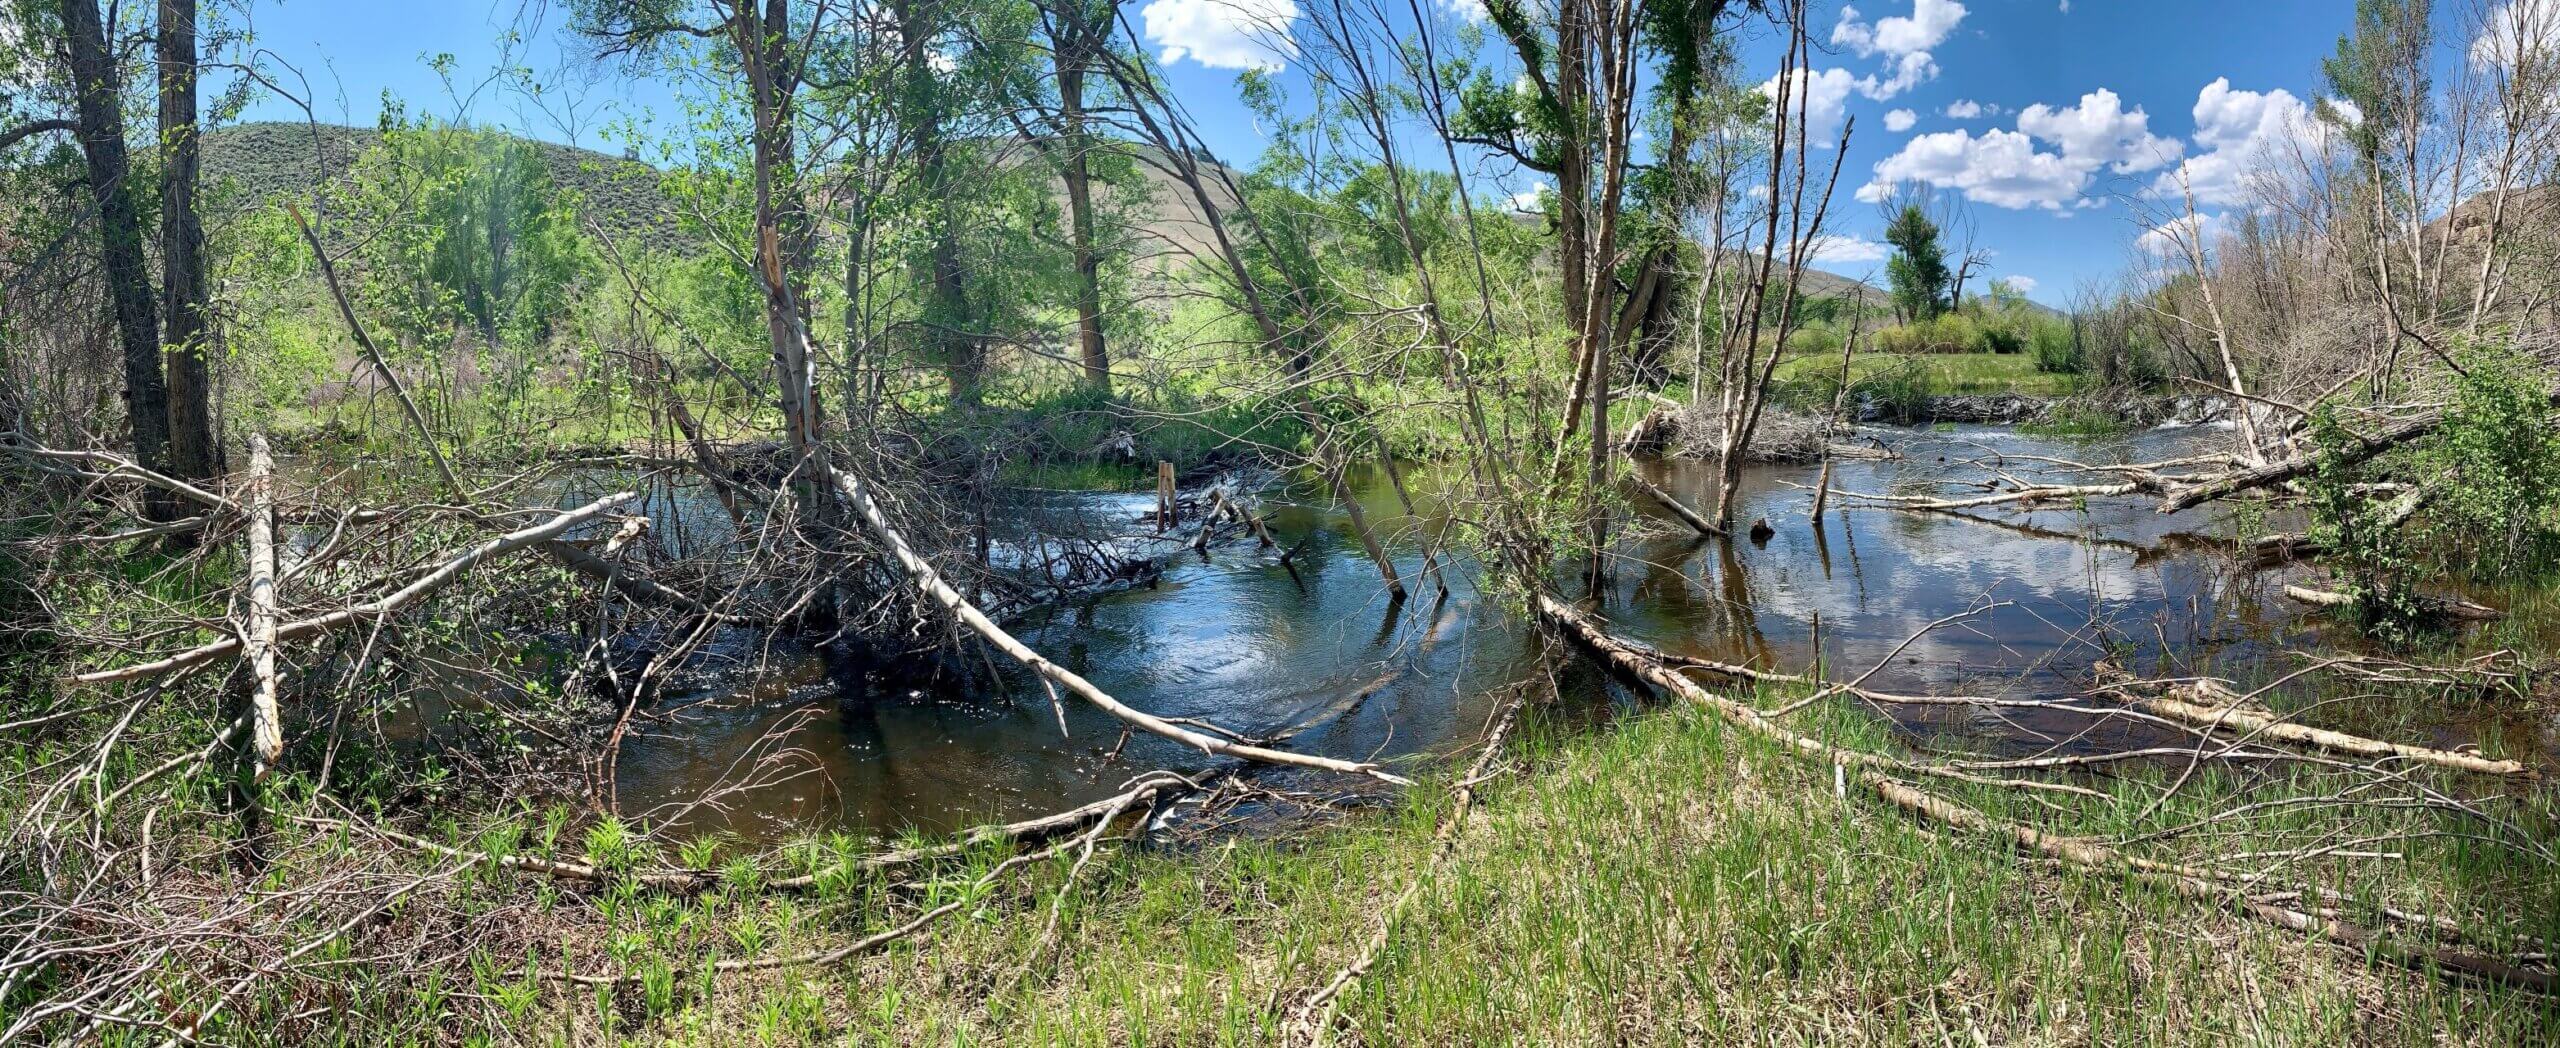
<point x="1237" y="639"/>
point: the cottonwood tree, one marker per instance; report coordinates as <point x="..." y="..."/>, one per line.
<point x="184" y="306"/>
<point x="767" y="46"/>
<point x="1917" y="271"/>
<point x="1073" y="35"/>
<point x="169" y="434"/>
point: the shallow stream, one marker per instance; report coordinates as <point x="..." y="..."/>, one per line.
<point x="1238" y="639"/>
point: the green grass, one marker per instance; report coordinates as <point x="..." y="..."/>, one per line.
<point x="1945" y="373"/>
<point x="1665" y="881"/>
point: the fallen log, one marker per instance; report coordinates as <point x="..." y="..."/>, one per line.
<point x="930" y="580"/>
<point x="2360" y="450"/>
<point x="370" y="611"/>
<point x="2445" y="607"/>
<point x="2085" y="854"/>
<point x="266" y="719"/>
<point x="2029" y="494"/>
<point x="1653" y="668"/>
<point x="2207" y="705"/>
<point x="1672" y="503"/>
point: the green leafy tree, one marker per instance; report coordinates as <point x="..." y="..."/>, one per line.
<point x="2499" y="457"/>
<point x="1918" y="269"/>
<point x="473" y="233"/>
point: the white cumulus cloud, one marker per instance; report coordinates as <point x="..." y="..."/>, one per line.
<point x="2239" y="135"/>
<point x="1222" y="34"/>
<point x="1900" y="120"/>
<point x="2049" y="162"/>
<point x="2099" y="132"/>
<point x="2024" y="285"/>
<point x="1968" y="109"/>
<point x="1471" y="11"/>
<point x="1841" y="249"/>
<point x="1903" y="41"/>
<point x="2000" y="168"/>
<point x="1924" y="28"/>
<point x="1826" y="100"/>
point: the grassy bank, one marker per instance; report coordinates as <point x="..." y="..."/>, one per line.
<point x="1665" y="881"/>
<point x="1942" y="373"/>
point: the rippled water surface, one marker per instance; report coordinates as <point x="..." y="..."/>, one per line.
<point x="1240" y="640"/>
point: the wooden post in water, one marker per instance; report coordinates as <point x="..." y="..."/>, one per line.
<point x="1164" y="496"/>
<point x="1822" y="492"/>
<point x="1816" y="671"/>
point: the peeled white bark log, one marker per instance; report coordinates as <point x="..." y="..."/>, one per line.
<point x="266" y="719"/>
<point x="930" y="580"/>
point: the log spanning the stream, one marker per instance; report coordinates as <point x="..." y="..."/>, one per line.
<point x="374" y="610"/>
<point x="2200" y="884"/>
<point x="2199" y="491"/>
<point x="930" y="580"/>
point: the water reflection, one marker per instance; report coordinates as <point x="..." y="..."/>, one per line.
<point x="1320" y="653"/>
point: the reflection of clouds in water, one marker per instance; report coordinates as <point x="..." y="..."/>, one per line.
<point x="1892" y="573"/>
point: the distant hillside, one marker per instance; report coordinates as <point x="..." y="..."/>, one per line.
<point x="267" y="162"/>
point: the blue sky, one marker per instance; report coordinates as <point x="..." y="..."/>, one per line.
<point x="2131" y="90"/>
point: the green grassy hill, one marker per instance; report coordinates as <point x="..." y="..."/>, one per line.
<point x="258" y="164"/>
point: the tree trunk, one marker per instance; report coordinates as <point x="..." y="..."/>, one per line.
<point x="119" y="236"/>
<point x="781" y="228"/>
<point x="182" y="281"/>
<point x="1079" y="178"/>
<point x="946" y="316"/>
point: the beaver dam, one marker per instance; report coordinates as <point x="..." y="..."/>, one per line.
<point x="1315" y="652"/>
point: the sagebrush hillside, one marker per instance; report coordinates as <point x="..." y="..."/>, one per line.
<point x="261" y="163"/>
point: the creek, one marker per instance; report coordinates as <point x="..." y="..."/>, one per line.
<point x="1314" y="649"/>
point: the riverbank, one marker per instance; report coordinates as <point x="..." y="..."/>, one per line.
<point x="1667" y="881"/>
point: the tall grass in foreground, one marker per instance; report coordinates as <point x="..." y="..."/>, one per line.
<point x="1668" y="881"/>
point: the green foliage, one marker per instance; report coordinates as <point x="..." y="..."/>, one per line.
<point x="2498" y="455"/>
<point x="2373" y="72"/>
<point x="2371" y="561"/>
<point x="465" y="229"/>
<point x="2056" y="351"/>
<point x="1918" y="269"/>
<point x="1943" y="333"/>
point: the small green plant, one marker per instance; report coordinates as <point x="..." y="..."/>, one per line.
<point x="2498" y="457"/>
<point x="2367" y="554"/>
<point x="1899" y="393"/>
<point x="609" y="844"/>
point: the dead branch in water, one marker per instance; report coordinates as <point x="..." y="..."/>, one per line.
<point x="929" y="579"/>
<point x="2198" y="491"/>
<point x="2439" y="607"/>
<point x="1671" y="502"/>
